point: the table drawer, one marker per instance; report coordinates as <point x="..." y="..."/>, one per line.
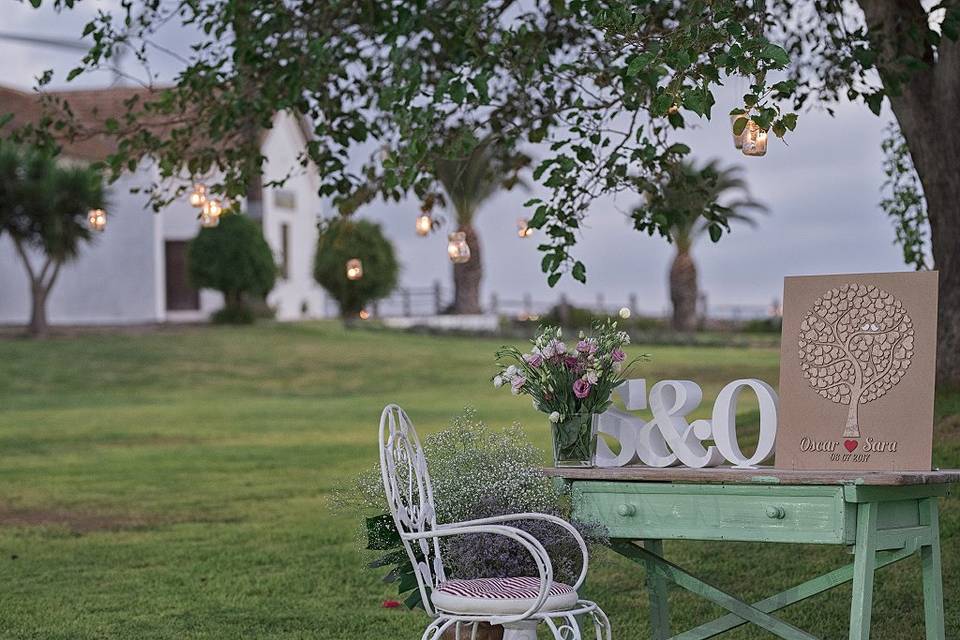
<point x="718" y="512"/>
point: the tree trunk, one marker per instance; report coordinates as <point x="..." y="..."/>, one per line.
<point x="467" y="276"/>
<point x="683" y="291"/>
<point x="926" y="110"/>
<point x="38" y="311"/>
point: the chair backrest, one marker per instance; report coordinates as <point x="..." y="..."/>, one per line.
<point x="406" y="483"/>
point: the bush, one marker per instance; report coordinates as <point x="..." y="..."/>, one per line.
<point x="232" y="258"/>
<point x="343" y="239"/>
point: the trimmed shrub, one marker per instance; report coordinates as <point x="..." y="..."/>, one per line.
<point x="344" y="239"/>
<point x="232" y="258"/>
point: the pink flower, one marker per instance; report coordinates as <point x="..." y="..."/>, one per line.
<point x="618" y="355"/>
<point x="533" y="359"/>
<point x="571" y="362"/>
<point x="586" y="346"/>
<point x="517" y="384"/>
<point x="581" y="388"/>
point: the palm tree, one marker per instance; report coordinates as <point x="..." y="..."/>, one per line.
<point x="469" y="181"/>
<point x="43" y="207"/>
<point x="695" y="195"/>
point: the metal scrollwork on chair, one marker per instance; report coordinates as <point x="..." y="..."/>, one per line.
<point x="517" y="603"/>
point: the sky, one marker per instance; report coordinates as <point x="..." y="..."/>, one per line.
<point x="822" y="188"/>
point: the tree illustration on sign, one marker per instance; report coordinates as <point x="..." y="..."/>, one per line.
<point x="856" y="342"/>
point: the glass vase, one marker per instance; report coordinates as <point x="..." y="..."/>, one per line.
<point x="575" y="441"/>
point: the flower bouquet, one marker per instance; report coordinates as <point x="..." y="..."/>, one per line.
<point x="571" y="384"/>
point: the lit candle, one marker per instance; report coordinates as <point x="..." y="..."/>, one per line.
<point x="354" y="269"/>
<point x="424" y="224"/>
<point x="97" y="218"/>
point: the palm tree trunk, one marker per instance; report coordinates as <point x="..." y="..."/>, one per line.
<point x="467" y="276"/>
<point x="683" y="291"/>
<point x="38" y="327"/>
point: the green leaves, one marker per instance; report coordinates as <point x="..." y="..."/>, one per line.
<point x="775" y="54"/>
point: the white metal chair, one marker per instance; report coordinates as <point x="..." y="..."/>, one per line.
<point x="519" y="603"/>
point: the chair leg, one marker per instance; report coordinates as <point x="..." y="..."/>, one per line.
<point x="436" y="628"/>
<point x="568" y="630"/>
<point x="601" y="624"/>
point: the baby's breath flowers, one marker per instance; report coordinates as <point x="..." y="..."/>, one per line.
<point x="476" y="472"/>
<point x="568" y="382"/>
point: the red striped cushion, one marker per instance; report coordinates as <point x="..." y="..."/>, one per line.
<point x="500" y="588"/>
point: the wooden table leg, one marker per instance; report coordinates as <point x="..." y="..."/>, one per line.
<point x="657" y="590"/>
<point x="932" y="578"/>
<point x="864" y="565"/>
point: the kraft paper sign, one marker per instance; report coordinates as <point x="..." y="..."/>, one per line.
<point x="857" y="372"/>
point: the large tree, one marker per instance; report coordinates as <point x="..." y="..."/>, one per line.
<point x="690" y="197"/>
<point x="43" y="209"/>
<point x="601" y="84"/>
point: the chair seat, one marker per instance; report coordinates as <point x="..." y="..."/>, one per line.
<point x="500" y="596"/>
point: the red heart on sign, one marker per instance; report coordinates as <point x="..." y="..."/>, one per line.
<point x="850" y="445"/>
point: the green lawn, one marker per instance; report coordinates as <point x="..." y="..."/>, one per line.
<point x="176" y="485"/>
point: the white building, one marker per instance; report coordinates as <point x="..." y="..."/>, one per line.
<point x="135" y="270"/>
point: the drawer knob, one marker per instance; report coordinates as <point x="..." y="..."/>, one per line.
<point x="776" y="512"/>
<point x="626" y="510"/>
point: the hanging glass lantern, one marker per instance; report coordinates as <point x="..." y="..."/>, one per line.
<point x="524" y="230"/>
<point x="208" y="221"/>
<point x="97" y="219"/>
<point x="212" y="208"/>
<point x="364" y="314"/>
<point x="199" y="195"/>
<point x="424" y="224"/>
<point x="354" y="269"/>
<point x="754" y="140"/>
<point x="737" y="139"/>
<point x="457" y="247"/>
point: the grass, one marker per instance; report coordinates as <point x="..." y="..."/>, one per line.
<point x="176" y="485"/>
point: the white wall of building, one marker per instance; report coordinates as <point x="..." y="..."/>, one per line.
<point x="298" y="295"/>
<point x="120" y="278"/>
<point x="114" y="279"/>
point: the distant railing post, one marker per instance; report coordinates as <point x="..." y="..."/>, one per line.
<point x="632" y="305"/>
<point x="437" y="298"/>
<point x="494" y="304"/>
<point x="601" y="304"/>
<point x="563" y="311"/>
<point x="405" y="301"/>
<point x="375" y="309"/>
<point x="527" y="304"/>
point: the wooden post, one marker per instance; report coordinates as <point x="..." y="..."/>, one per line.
<point x="494" y="303"/>
<point x="437" y="298"/>
<point x="632" y="305"/>
<point x="405" y="301"/>
<point x="601" y="303"/>
<point x="527" y="304"/>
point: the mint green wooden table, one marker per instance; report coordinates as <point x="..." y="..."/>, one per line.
<point x="884" y="517"/>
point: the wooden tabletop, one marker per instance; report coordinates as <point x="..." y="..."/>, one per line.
<point x="761" y="475"/>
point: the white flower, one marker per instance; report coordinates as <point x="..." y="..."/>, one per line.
<point x="591" y="377"/>
<point x="624" y="337"/>
<point x="497" y="382"/>
<point x="559" y="333"/>
<point x="582" y="335"/>
<point x="511" y="371"/>
<point x="555" y="417"/>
